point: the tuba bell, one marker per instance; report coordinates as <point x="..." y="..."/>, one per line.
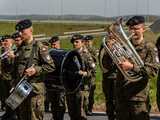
<point x="117" y="44"/>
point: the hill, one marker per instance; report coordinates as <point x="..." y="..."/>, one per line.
<point x="69" y="17"/>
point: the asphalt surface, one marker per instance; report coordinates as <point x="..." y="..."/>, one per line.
<point x="98" y="116"/>
<point x="95" y="116"/>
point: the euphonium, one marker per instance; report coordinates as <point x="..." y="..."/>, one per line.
<point x="119" y="47"/>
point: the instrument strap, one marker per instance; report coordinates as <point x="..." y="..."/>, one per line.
<point x="30" y="60"/>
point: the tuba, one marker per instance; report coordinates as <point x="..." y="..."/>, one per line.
<point x="117" y="44"/>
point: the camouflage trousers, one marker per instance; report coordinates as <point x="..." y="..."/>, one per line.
<point x="4" y="93"/>
<point x="158" y="91"/>
<point x="132" y="110"/>
<point x="91" y="95"/>
<point x="76" y="103"/>
<point x="84" y="102"/>
<point x="57" y="100"/>
<point x="32" y="108"/>
<point x="108" y="90"/>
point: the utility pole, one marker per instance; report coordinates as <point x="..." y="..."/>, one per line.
<point x="16" y="9"/>
<point x="61" y="9"/>
<point x="148" y="9"/>
<point x="119" y="8"/>
<point x="105" y="8"/>
<point x="136" y="7"/>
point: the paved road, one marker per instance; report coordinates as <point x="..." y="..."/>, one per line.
<point x="96" y="116"/>
<point x="99" y="116"/>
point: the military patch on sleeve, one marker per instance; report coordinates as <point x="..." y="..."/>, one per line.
<point x="48" y="57"/>
<point x="157" y="59"/>
<point x="45" y="55"/>
<point x="156" y="51"/>
<point x="44" y="49"/>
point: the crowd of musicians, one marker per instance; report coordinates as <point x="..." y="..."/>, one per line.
<point x="64" y="80"/>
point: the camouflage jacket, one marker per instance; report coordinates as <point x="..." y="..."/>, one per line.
<point x="138" y="90"/>
<point x="93" y="53"/>
<point x="38" y="56"/>
<point x="6" y="66"/>
<point x="88" y="63"/>
<point x="107" y="65"/>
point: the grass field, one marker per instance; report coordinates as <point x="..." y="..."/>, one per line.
<point x="58" y="28"/>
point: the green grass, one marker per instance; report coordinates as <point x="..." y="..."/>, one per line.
<point x="49" y="28"/>
<point x="152" y="92"/>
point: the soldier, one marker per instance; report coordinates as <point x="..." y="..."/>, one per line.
<point x="108" y="83"/>
<point x="6" y="69"/>
<point x="54" y="87"/>
<point x="5" y="81"/>
<point x="76" y="99"/>
<point x="7" y="43"/>
<point x="158" y="78"/>
<point x="88" y="39"/>
<point x="132" y="95"/>
<point x="55" y="42"/>
<point x="32" y="60"/>
<point x="17" y="39"/>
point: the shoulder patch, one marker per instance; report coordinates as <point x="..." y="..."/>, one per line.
<point x="150" y="45"/>
<point x="48" y="57"/>
<point x="44" y="48"/>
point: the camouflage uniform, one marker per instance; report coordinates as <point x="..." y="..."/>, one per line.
<point x="79" y="99"/>
<point x="108" y="83"/>
<point x="158" y="78"/>
<point x="132" y="96"/>
<point x="5" y="85"/>
<point x="33" y="107"/>
<point x="54" y="87"/>
<point x="92" y="85"/>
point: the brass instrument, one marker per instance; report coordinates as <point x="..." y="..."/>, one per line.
<point x="5" y="54"/>
<point x="119" y="47"/>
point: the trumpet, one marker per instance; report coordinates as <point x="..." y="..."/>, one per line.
<point x="5" y="54"/>
<point x="119" y="47"/>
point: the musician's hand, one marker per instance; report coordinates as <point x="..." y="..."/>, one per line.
<point x="126" y="65"/>
<point x="83" y="73"/>
<point x="30" y="71"/>
<point x="11" y="90"/>
<point x="11" y="54"/>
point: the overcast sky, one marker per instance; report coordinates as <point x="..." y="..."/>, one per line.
<point x="80" y="7"/>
